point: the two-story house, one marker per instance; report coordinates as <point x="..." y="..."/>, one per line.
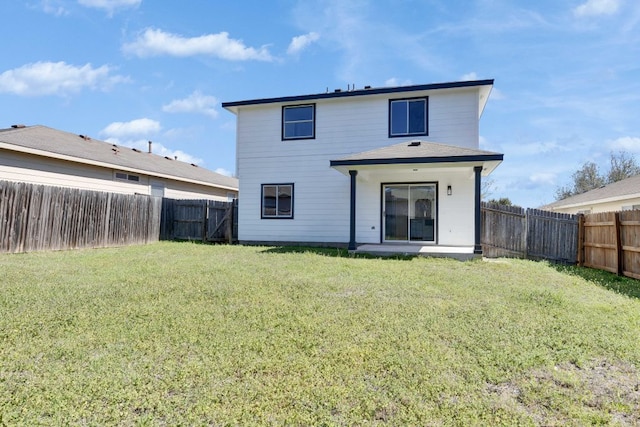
<point x="393" y="168"/>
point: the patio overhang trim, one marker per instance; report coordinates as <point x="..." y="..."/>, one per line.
<point x="417" y="160"/>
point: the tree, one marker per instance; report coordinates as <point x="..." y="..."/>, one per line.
<point x="623" y="166"/>
<point x="505" y="201"/>
<point x="588" y="177"/>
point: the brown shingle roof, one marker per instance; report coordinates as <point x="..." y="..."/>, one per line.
<point x="45" y="141"/>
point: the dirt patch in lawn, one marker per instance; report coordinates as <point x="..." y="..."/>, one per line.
<point x="598" y="392"/>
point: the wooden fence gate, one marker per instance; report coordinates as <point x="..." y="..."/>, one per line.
<point x="202" y="220"/>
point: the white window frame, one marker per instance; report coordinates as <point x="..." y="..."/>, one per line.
<point x="124" y="176"/>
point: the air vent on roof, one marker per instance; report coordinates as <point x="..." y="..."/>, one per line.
<point x="168" y="158"/>
<point x="136" y="150"/>
<point x="367" y="87"/>
<point x="338" y="90"/>
<point x="18" y="126"/>
<point x="85" y="137"/>
<point x="194" y="165"/>
<point x="414" y="144"/>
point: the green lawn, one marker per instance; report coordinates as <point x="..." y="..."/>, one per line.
<point x="188" y="334"/>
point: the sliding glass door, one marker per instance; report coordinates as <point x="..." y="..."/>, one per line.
<point x="409" y="212"/>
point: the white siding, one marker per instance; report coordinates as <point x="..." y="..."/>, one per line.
<point x="345" y="126"/>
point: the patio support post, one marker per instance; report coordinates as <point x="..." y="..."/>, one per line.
<point x="477" y="248"/>
<point x="352" y="224"/>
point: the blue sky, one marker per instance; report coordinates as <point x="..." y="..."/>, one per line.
<point x="567" y="73"/>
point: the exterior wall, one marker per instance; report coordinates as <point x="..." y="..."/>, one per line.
<point x="596" y="207"/>
<point x="23" y="167"/>
<point x="344" y="126"/>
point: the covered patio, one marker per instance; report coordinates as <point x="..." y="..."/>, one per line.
<point x="431" y="167"/>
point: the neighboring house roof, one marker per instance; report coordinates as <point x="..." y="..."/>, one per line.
<point x="485" y="86"/>
<point x="620" y="190"/>
<point x="48" y="142"/>
<point x="420" y="152"/>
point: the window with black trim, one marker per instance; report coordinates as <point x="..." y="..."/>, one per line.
<point x="277" y="201"/>
<point x="299" y="121"/>
<point x="408" y="117"/>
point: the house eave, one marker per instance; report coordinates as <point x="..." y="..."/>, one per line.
<point x="48" y="154"/>
<point x="488" y="164"/>
<point x="233" y="106"/>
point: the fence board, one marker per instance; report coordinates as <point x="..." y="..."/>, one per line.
<point x="37" y="217"/>
<point x="503" y="231"/>
<point x="630" y="243"/>
<point x="601" y="241"/>
<point x="552" y="236"/>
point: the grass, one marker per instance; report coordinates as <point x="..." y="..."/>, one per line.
<point x="187" y="334"/>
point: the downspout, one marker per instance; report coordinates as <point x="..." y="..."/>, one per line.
<point x="477" y="248"/>
<point x="352" y="222"/>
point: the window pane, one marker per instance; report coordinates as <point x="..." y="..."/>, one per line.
<point x="269" y="200"/>
<point x="284" y="200"/>
<point x="417" y="116"/>
<point x="298" y="130"/>
<point x="398" y="117"/>
<point x="298" y="113"/>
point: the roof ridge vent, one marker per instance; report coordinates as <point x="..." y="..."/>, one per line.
<point x="85" y="137"/>
<point x="414" y="144"/>
<point x="19" y="126"/>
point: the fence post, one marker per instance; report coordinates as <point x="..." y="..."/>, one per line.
<point x="580" y="254"/>
<point x="619" y="254"/>
<point x="229" y="215"/>
<point x="205" y="221"/>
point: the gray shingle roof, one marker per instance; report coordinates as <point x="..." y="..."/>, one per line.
<point x="627" y="187"/>
<point x="418" y="152"/>
<point x="45" y="141"/>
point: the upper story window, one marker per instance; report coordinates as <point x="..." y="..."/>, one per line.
<point x="408" y="117"/>
<point x="277" y="201"/>
<point x="299" y="121"/>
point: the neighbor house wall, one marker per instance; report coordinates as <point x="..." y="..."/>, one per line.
<point x="597" y="207"/>
<point x="22" y="167"/>
<point x="344" y="126"/>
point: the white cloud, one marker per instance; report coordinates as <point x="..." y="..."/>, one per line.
<point x="138" y="127"/>
<point x="469" y="76"/>
<point x="159" y="149"/>
<point x="154" y="42"/>
<point x="194" y="103"/>
<point x="597" y="7"/>
<point x="299" y="43"/>
<point x="394" y="81"/>
<point x="56" y="78"/>
<point x="543" y="178"/>
<point x="626" y="143"/>
<point x="53" y="7"/>
<point x="223" y="171"/>
<point x="110" y="5"/>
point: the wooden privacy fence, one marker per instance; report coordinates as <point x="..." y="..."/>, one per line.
<point x="202" y="220"/>
<point x="512" y="231"/>
<point x="611" y="241"/>
<point x="38" y="217"/>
